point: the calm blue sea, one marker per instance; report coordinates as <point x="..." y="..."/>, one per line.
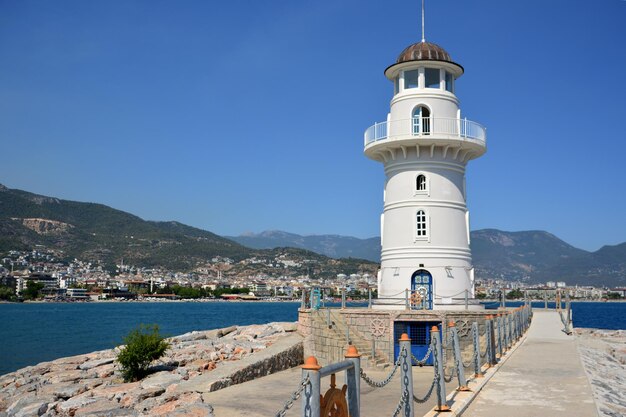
<point x="33" y="333"/>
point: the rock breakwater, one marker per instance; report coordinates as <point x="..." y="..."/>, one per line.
<point x="197" y="362"/>
<point x="603" y="354"/>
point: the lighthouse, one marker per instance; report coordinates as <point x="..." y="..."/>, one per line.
<point x="424" y="145"/>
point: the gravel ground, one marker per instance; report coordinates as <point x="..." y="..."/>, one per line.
<point x="603" y="354"/>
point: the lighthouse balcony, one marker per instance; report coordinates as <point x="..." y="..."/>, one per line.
<point x="426" y="131"/>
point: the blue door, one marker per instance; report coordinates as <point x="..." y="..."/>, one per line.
<point x="422" y="282"/>
<point x="419" y="333"/>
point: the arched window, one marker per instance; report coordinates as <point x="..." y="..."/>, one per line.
<point x="421" y="224"/>
<point x="421" y="120"/>
<point x="420" y="183"/>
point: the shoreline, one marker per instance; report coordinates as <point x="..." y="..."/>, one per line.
<point x="196" y="363"/>
<point x="214" y="300"/>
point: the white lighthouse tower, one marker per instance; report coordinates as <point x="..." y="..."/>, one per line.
<point x="424" y="145"/>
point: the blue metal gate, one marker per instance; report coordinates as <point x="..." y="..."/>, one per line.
<point x="419" y="333"/>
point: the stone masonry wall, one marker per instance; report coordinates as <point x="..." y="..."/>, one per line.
<point x="328" y="343"/>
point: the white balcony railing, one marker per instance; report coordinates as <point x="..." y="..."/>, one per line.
<point x="427" y="127"/>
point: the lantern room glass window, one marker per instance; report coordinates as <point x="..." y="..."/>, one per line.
<point x="432" y="76"/>
<point x="411" y="79"/>
<point x="449" y="82"/>
<point x="396" y="88"/>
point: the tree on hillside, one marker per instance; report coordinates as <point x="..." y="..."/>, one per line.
<point x="6" y="293"/>
<point x="33" y="290"/>
<point x="514" y="294"/>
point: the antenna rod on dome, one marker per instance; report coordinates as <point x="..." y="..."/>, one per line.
<point x="423" y="36"/>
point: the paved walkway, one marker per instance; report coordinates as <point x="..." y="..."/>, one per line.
<point x="543" y="377"/>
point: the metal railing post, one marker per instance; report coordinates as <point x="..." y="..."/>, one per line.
<point x="303" y="302"/>
<point x="515" y="332"/>
<point x="466" y="299"/>
<point x="507" y="330"/>
<point x="545" y="299"/>
<point x="406" y="374"/>
<point x="438" y="357"/>
<point x="499" y="324"/>
<point x="353" y="379"/>
<point x="491" y="340"/>
<point x="343" y="298"/>
<point x="369" y="298"/>
<point x="458" y="359"/>
<point x="476" y="342"/>
<point x="406" y="299"/>
<point x="569" y="309"/>
<point x="311" y="395"/>
<point x="568" y="315"/>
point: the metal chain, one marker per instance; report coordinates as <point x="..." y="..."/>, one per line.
<point x="423" y="361"/>
<point x="403" y="400"/>
<point x="294" y="397"/>
<point x="380" y="384"/>
<point x="472" y="360"/>
<point x="449" y="379"/>
<point x="428" y="394"/>
<point x="482" y="355"/>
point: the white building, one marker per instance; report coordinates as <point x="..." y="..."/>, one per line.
<point x="424" y="145"/>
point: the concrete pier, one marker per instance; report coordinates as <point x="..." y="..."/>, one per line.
<point x="543" y="377"/>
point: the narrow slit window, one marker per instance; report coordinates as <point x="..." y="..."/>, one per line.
<point x="421" y="183"/>
<point x="421" y="224"/>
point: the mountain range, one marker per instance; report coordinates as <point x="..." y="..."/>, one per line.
<point x="91" y="231"/>
<point x="533" y="256"/>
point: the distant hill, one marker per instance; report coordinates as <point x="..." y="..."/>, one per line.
<point x="95" y="231"/>
<point x="334" y="246"/>
<point x="534" y="256"/>
<point x="518" y="254"/>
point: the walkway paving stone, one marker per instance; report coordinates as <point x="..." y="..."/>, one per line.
<point x="543" y="377"/>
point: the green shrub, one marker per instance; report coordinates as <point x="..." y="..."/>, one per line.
<point x="142" y="346"/>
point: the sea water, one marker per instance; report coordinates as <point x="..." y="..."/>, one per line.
<point x="35" y="332"/>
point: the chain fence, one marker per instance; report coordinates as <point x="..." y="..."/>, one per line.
<point x="403" y="401"/>
<point x="294" y="397"/>
<point x="507" y="334"/>
<point x="428" y="393"/>
<point x="380" y="384"/>
<point x="424" y="360"/>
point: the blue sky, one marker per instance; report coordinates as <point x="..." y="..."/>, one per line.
<point x="246" y="116"/>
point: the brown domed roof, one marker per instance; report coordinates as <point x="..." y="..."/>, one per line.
<point x="424" y="51"/>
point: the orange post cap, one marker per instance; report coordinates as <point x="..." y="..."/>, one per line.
<point x="311" y="364"/>
<point x="352" y="352"/>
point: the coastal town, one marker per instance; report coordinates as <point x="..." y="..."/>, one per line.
<point x="42" y="274"/>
